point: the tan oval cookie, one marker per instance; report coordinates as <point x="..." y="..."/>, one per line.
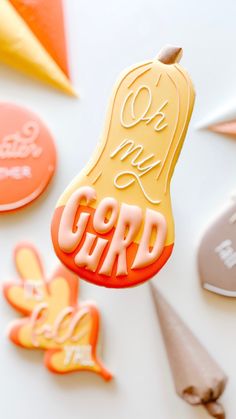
<point x="217" y="254"/>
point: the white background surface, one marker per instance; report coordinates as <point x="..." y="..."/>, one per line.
<point x="104" y="38"/>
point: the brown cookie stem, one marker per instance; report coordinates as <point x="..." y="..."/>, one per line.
<point x="170" y="54"/>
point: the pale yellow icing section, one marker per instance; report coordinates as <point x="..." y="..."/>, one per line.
<point x="55" y="301"/>
<point x="28" y="337"/>
<point x="146" y="124"/>
<point x="18" y="296"/>
<point x="28" y="264"/>
<point x="30" y="270"/>
<point x="20" y="49"/>
<point x="58" y="363"/>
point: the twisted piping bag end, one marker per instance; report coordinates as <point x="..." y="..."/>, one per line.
<point x="215" y="409"/>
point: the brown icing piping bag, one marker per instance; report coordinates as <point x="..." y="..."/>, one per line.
<point x="198" y="378"/>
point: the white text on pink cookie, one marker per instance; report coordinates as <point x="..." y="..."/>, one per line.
<point x="21" y="144"/>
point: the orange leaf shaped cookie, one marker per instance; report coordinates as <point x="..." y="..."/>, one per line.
<point x="113" y="225"/>
<point x="54" y="321"/>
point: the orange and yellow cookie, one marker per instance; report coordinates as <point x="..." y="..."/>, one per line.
<point x="113" y="225"/>
<point x="54" y="320"/>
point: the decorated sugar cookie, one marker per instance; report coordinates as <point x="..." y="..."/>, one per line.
<point x="53" y="319"/>
<point x="113" y="225"/>
<point x="217" y="253"/>
<point x="27" y="157"/>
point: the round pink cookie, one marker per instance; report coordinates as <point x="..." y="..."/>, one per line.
<point x="27" y="157"/>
